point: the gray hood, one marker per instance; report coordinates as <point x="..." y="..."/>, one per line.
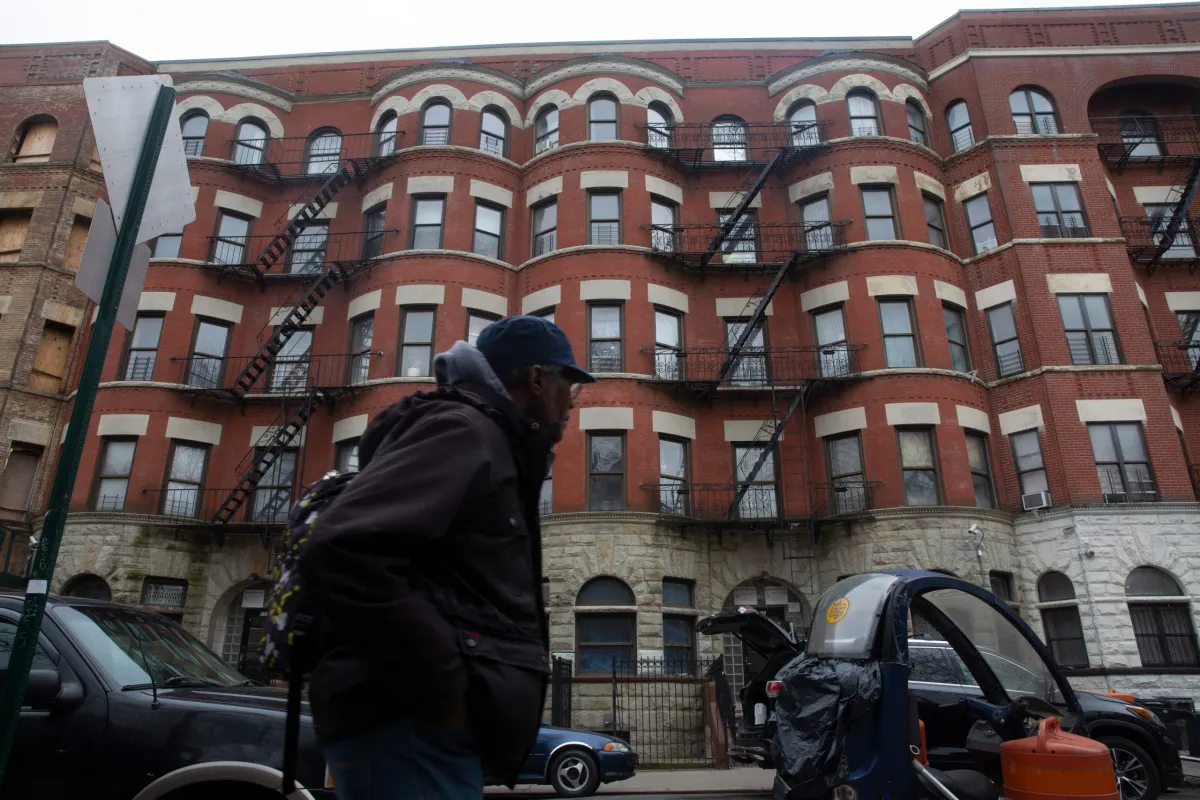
<point x="463" y="363"/>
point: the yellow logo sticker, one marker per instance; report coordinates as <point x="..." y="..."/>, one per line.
<point x="837" y="609"/>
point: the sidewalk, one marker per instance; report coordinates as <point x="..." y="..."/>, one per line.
<point x="740" y="780"/>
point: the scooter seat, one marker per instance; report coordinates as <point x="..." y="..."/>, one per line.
<point x="967" y="784"/>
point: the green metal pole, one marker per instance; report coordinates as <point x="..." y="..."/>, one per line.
<point x="16" y="676"/>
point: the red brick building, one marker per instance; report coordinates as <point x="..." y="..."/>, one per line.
<point x="854" y="304"/>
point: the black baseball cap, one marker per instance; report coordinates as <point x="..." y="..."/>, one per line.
<point x="515" y="342"/>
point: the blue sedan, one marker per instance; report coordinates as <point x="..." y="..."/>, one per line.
<point x="575" y="763"/>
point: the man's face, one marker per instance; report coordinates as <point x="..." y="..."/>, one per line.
<point x="554" y="396"/>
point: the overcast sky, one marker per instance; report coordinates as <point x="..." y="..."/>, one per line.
<point x="169" y="29"/>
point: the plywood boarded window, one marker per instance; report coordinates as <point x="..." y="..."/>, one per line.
<point x="13" y="227"/>
<point x="50" y="363"/>
<point x="16" y="482"/>
<point x="38" y="142"/>
<point x="94" y="163"/>
<point x="75" y="242"/>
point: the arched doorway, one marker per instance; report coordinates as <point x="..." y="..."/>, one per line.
<point x="243" y="627"/>
<point x="778" y="601"/>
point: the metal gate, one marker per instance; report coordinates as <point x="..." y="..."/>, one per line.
<point x="560" y="692"/>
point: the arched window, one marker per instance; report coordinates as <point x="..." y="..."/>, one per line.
<point x="605" y="639"/>
<point x="493" y="132"/>
<point x="249" y="142"/>
<point x="1032" y="111"/>
<point x="916" y="122"/>
<point x="1060" y="619"/>
<point x="602" y="117"/>
<point x="36" y="141"/>
<point x="1162" y="619"/>
<point x="545" y="130"/>
<point x="864" y="113"/>
<point x="729" y="139"/>
<point x="659" y="124"/>
<point x="385" y="134"/>
<point x="1140" y="133"/>
<point x="803" y="119"/>
<point x="91" y="587"/>
<point x="194" y="127"/>
<point x="958" y="121"/>
<point x="435" y="123"/>
<point x="324" y="152"/>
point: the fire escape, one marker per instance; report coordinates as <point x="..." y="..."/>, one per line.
<point x="1166" y="235"/>
<point x="769" y="253"/>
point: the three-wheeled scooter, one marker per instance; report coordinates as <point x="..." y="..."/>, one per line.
<point x="848" y="728"/>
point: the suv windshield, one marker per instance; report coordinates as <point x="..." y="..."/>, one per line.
<point x="136" y="650"/>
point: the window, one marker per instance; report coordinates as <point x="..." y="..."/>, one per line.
<point x="668" y="341"/>
<point x="678" y="644"/>
<point x="185" y="478"/>
<point x="545" y="228"/>
<point x="1027" y="456"/>
<point x="229" y="245"/>
<point x="416" y="342"/>
<point x="604" y="217"/>
<point x="673" y="491"/>
<point x="428" y="214"/>
<point x="208" y="354"/>
<point x="956" y="335"/>
<point x="37" y="141"/>
<point x="1005" y="345"/>
<point x="20" y="472"/>
<point x="803" y="118"/>
<point x="493" y="132"/>
<point x="605" y="641"/>
<point x="112" y="475"/>
<point x="605" y="345"/>
<point x="8" y="638"/>
<point x="979" y="220"/>
<point x="362" y="329"/>
<point x="546" y="314"/>
<point x="663" y="235"/>
<point x="1091" y="337"/>
<point x="602" y="117"/>
<point x="981" y="472"/>
<point x="194" y="127"/>
<point x="729" y="138"/>
<point x="829" y="326"/>
<point x="545" y="130"/>
<point x="1059" y="212"/>
<point x="899" y="333"/>
<point x="290" y="367"/>
<point x="167" y="245"/>
<point x="14" y="225"/>
<point x="476" y="322"/>
<point x="846" y="477"/>
<point x="659" y="126"/>
<point x="678" y="593"/>
<point x="918" y="467"/>
<point x="741" y="245"/>
<point x="1064" y="630"/>
<point x="142" y="348"/>
<point x="864" y="113"/>
<point x="606" y="472"/>
<point x="760" y="499"/>
<point x="879" y="213"/>
<point x="324" y="152"/>
<point x="489" y="228"/>
<point x="249" y="142"/>
<point x="916" y="122"/>
<point x="930" y="664"/>
<point x="1001" y="584"/>
<point x="818" y="232"/>
<point x="385" y="134"/>
<point x="435" y="124"/>
<point x="1189" y="327"/>
<point x="1182" y="244"/>
<point x="374" y="221"/>
<point x="345" y="455"/>
<point x="49" y="371"/>
<point x="958" y="121"/>
<point x="1140" y="135"/>
<point x="1032" y="111"/>
<point x="88" y="587"/>
<point x="750" y="368"/>
<point x="935" y="222"/>
<point x="80" y="226"/>
<point x="164" y="592"/>
<point x="1122" y="463"/>
<point x="307" y="253"/>
<point x="272" y="498"/>
<point x="1166" y="636"/>
<point x="546" y="493"/>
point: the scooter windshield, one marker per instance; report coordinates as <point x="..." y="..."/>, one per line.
<point x="847" y="616"/>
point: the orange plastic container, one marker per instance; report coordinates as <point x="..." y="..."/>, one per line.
<point x="922" y="755"/>
<point x="1113" y="693"/>
<point x="1055" y="765"/>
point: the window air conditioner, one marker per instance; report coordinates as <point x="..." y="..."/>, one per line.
<point x="1031" y="502"/>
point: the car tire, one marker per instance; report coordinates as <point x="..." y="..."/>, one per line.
<point x="574" y="773"/>
<point x="1137" y="773"/>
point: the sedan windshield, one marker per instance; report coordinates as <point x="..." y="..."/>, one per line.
<point x="137" y="650"/>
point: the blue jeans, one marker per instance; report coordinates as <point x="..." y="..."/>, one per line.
<point x="407" y="760"/>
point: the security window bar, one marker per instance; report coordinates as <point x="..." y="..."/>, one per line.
<point x="185" y="478"/>
<point x="741" y="245"/>
<point x="373" y="235"/>
<point x="1032" y="112"/>
<point x="1165" y="634"/>
<point x="663" y="237"/>
<point x="1091" y="335"/>
<point x="493" y="134"/>
<point x="673" y="495"/>
<point x="307" y="254"/>
<point x="489" y="228"/>
<point x="899" y="333"/>
<point x="546" y="131"/>
<point x="958" y="121"/>
<point x="829" y="326"/>
<point x="362" y="330"/>
<point x="229" y="246"/>
<point x="545" y="228"/>
<point x="435" y="124"/>
<point x="345" y="456"/>
<point x="668" y="343"/>
<point x="918" y="465"/>
<point x="956" y="335"/>
<point x="416" y="342"/>
<point x="606" y="472"/>
<point x="979" y="220"/>
<point x="428" y="216"/>
<point x="818" y="232"/>
<point x="273" y="496"/>
<point x="476" y="322"/>
<point x="1181" y="244"/>
<point x="1002" y="327"/>
<point x="194" y="129"/>
<point x="864" y="114"/>
<point x="602" y="118"/>
<point x="750" y="367"/>
<point x="1059" y="212"/>
<point x="845" y="462"/>
<point x="916" y="123"/>
<point x="1122" y="462"/>
<point x="165" y="592"/>
<point x="761" y="498"/>
<point x="112" y="481"/>
<point x="205" y="366"/>
<point x="981" y="471"/>
<point x="935" y="222"/>
<point x="143" y="348"/>
<point x="1027" y="457"/>
<point x="879" y="213"/>
<point x="605" y="345"/>
<point x="604" y="217"/>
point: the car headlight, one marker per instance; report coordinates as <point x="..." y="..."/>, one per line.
<point x="616" y="747"/>
<point x="1148" y="715"/>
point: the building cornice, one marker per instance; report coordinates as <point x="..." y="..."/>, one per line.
<point x="1036" y="52"/>
<point x="230" y="85"/>
<point x="856" y="62"/>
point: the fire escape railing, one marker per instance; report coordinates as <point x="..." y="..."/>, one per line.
<point x="1147" y="141"/>
<point x="310" y="252"/>
<point x="293" y="159"/>
<point x="288" y="376"/>
<point x="1180" y="361"/>
<point x="759" y="505"/>
<point x="748" y="246"/>
<point x="716" y="145"/>
<point x="755" y="367"/>
<point x="1148" y="245"/>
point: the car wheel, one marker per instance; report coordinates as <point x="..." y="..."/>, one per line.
<point x="1137" y="774"/>
<point x="575" y="774"/>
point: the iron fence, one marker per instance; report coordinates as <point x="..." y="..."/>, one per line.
<point x="310" y="252"/>
<point x="842" y="498"/>
<point x="310" y="157"/>
<point x="289" y="375"/>
<point x="756" y="367"/>
<point x="760" y="504"/>
<point x="1146" y="236"/>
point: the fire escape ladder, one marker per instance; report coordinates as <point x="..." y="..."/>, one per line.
<point x="279" y="438"/>
<point x="777" y="431"/>
<point x="278" y="247"/>
<point x="747" y="198"/>
<point x="1178" y="213"/>
<point x="756" y="316"/>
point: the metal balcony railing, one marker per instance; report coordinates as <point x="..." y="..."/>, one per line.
<point x="705" y="144"/>
<point x="1145" y="236"/>
<point x="842" y="498"/>
<point x="1134" y="484"/>
<point x="268" y="505"/>
<point x="1180" y="361"/>
<point x="311" y="251"/>
<point x="302" y="158"/>
<point x="288" y="375"/>
<point x="756" y="367"/>
<point x="1147" y="140"/>
<point x="760" y="505"/>
<point x="748" y="246"/>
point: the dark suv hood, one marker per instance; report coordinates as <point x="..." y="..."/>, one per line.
<point x="754" y="628"/>
<point x="251" y="698"/>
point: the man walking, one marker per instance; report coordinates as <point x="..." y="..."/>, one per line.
<point x="427" y="575"/>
